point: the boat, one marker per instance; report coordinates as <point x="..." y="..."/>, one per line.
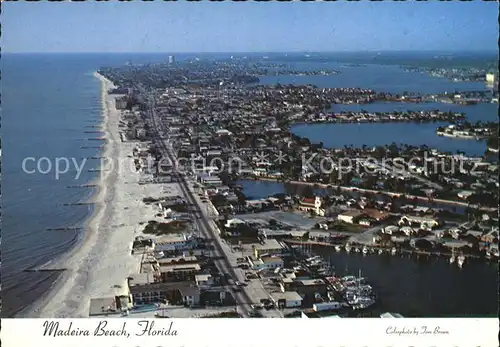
<point x="338" y="248"/>
<point x="356" y="249"/>
<point x="393" y="251"/>
<point x="452" y="258"/>
<point x="348" y="247"/>
<point x="461" y="260"/>
<point x="380" y="251"/>
<point x="365" y="250"/>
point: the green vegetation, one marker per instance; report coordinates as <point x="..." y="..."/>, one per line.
<point x="155" y="228"/>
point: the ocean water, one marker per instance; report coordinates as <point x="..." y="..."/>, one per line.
<point x="47" y="101"/>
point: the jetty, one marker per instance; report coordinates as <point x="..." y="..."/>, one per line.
<point x="65" y="229"/>
<point x="44" y="270"/>
<point x="79" y="204"/>
<point x="83" y="186"/>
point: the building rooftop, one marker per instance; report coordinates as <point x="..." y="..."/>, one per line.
<point x="269" y="244"/>
<point x="180" y="267"/>
<point x="289" y="296"/>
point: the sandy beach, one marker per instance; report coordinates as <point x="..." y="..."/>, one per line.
<point x="101" y="261"/>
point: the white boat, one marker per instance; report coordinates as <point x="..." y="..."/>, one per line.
<point x="365" y="250"/>
<point x="452" y="258"/>
<point x="347" y="247"/>
<point x="380" y="251"/>
<point x="393" y="251"/>
<point x="338" y="248"/>
<point x="460" y="260"/>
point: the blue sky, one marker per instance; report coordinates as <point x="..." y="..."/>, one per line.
<point x="248" y="27"/>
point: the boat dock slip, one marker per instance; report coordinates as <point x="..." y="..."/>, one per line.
<point x="65" y="229"/>
<point x="78" y="204"/>
<point x="92" y="147"/>
<point x="96" y="139"/>
<point x="83" y="186"/>
<point x="93" y="132"/>
<point x="93" y="126"/>
<point x="94" y="170"/>
<point x="95" y="157"/>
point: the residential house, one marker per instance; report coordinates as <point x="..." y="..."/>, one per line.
<point x="350" y="217"/>
<point x="425" y="223"/>
<point x="313" y="205"/>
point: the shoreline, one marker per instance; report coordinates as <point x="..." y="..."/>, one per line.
<point x="90" y="233"/>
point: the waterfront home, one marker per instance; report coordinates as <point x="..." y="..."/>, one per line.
<point x="390" y="229"/>
<point x="424" y="222"/>
<point x="286" y="299"/>
<point x="313" y="205"/>
<point x="408" y="231"/>
<point x="350" y="217"/>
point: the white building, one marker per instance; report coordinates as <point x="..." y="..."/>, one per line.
<point x="267" y="263"/>
<point x="174" y="242"/>
<point x="233" y="222"/>
<point x="204" y="281"/>
<point x="288" y="299"/>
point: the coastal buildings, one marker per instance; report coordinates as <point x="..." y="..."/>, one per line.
<point x="491" y="78"/>
<point x="286" y="299"/>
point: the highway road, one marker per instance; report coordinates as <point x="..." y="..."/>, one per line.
<point x="242" y="298"/>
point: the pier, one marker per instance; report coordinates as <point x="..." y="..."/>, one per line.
<point x="92" y="147"/>
<point x="79" y="204"/>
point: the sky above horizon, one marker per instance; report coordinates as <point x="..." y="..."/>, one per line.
<point x="248" y="27"/>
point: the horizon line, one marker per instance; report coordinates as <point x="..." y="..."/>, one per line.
<point x="265" y="52"/>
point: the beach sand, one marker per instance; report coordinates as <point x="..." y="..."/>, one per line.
<point x="101" y="261"/>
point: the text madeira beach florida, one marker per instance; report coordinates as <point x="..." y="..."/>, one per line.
<point x="145" y="328"/>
